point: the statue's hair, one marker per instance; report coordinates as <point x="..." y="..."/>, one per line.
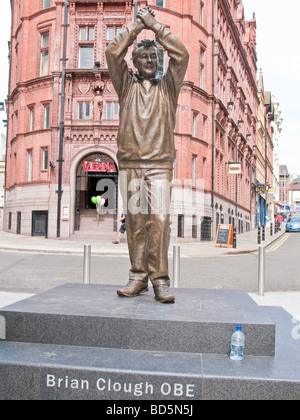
<point x="145" y="43"/>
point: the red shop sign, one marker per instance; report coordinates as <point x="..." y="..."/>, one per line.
<point x="98" y="167"/>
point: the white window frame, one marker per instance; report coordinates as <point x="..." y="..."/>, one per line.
<point x="112" y="31"/>
<point x="30" y="158"/>
<point x="112" y="111"/>
<point x="84" y="110"/>
<point x="46" y="117"/>
<point x="90" y="64"/>
<point x="46" y="4"/>
<point x="31" y="121"/>
<point x="194" y="165"/>
<point x="44" y="67"/>
<point x="86" y="33"/>
<point x="45" y="159"/>
<point x="202" y="68"/>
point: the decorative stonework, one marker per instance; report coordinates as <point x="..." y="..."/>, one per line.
<point x="90" y="137"/>
<point x="84" y="86"/>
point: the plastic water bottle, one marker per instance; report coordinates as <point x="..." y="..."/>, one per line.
<point x="237" y="344"/>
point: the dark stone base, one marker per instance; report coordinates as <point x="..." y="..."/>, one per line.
<point x="201" y="321"/>
<point x="84" y="342"/>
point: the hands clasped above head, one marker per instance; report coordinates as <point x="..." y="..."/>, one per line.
<point x="147" y="16"/>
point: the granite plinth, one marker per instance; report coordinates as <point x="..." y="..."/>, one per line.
<point x="34" y="367"/>
<point x="201" y="321"/>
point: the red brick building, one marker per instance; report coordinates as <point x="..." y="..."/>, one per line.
<point x="216" y="116"/>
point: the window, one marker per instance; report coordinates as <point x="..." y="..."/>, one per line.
<point x="45" y="160"/>
<point x="84" y="110"/>
<point x="161" y="3"/>
<point x="31" y="122"/>
<point x="194" y="227"/>
<point x="202" y="67"/>
<point x="201" y="19"/>
<point x="161" y="62"/>
<point x="18" y="227"/>
<point x="194" y="161"/>
<point x="44" y="71"/>
<point x="204" y="128"/>
<point x="112" y="110"/>
<point x="112" y="32"/>
<point x="46" y="4"/>
<point x="29" y="167"/>
<point x="86" y="57"/>
<point x="180" y="231"/>
<point x="195" y="119"/>
<point x="86" y="47"/>
<point x="47" y="117"/>
<point x="86" y="33"/>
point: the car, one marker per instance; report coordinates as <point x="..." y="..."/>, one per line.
<point x="293" y="223"/>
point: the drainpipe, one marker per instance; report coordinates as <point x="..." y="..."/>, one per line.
<point x="61" y="124"/>
<point x="213" y="116"/>
<point x="135" y="9"/>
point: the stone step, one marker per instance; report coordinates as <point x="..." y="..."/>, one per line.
<point x="36" y="363"/>
<point x="201" y="321"/>
<point x="92" y="223"/>
<point x="50" y="372"/>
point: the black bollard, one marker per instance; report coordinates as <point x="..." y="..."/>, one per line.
<point x="234" y="237"/>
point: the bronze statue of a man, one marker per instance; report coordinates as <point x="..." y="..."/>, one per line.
<point x="146" y="150"/>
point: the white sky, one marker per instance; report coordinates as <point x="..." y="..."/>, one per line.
<point x="4" y="38"/>
<point x="278" y="53"/>
<point x="278" y="35"/>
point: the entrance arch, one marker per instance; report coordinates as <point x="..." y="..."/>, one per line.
<point x="96" y="174"/>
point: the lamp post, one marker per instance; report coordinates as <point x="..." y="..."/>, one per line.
<point x="266" y="168"/>
<point x="61" y="124"/>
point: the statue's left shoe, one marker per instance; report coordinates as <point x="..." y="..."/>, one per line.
<point x="162" y="291"/>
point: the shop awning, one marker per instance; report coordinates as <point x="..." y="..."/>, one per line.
<point x="282" y="206"/>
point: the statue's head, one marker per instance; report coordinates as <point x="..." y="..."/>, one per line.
<point x="145" y="58"/>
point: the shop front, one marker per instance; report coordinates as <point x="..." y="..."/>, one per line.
<point x="96" y="175"/>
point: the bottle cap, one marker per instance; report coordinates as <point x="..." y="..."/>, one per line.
<point x="239" y="327"/>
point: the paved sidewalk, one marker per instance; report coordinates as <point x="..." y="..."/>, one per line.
<point x="246" y="242"/>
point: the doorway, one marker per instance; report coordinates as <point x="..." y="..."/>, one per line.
<point x="96" y="175"/>
<point x="39" y="226"/>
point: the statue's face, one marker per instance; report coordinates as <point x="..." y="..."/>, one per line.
<point x="146" y="61"/>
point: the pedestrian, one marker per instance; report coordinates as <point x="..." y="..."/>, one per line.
<point x="279" y="220"/>
<point x="146" y="150"/>
<point x="122" y="229"/>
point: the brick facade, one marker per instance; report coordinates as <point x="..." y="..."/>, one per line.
<point x="216" y="117"/>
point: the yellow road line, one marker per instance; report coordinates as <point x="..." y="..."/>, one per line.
<point x="279" y="243"/>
